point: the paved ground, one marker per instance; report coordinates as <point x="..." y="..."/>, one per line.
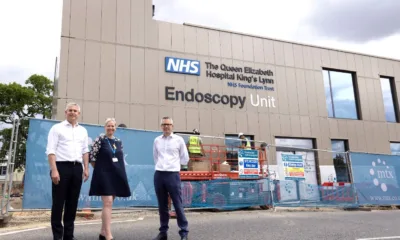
<point x="249" y="225"/>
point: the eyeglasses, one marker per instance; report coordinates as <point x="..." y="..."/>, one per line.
<point x="166" y="124"/>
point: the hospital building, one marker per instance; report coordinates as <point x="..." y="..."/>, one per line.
<point x="117" y="61"/>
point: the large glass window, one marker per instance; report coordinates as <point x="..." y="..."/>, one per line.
<point x="233" y="143"/>
<point x="339" y="147"/>
<point x="340" y="95"/>
<point x="307" y="188"/>
<point x="395" y="148"/>
<point x="389" y="102"/>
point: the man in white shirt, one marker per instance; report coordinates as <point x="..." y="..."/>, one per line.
<point x="169" y="152"/>
<point x="67" y="151"/>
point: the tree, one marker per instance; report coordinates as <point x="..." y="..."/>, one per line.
<point x="17" y="101"/>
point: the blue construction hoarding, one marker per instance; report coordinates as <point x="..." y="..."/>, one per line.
<point x="374" y="177"/>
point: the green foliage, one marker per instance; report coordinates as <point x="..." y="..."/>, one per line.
<point x="23" y="101"/>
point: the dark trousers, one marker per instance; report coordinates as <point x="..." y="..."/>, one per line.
<point x="170" y="183"/>
<point x="66" y="193"/>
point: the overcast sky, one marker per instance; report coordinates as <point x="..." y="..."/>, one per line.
<point x="30" y="30"/>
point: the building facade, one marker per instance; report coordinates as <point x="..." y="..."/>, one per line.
<point x="116" y="60"/>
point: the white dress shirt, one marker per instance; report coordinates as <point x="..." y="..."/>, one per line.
<point x="67" y="143"/>
<point x="170" y="153"/>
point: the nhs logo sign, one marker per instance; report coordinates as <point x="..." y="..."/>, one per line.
<point x="184" y="66"/>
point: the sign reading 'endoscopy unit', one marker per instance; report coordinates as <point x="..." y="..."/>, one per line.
<point x="238" y="77"/>
<point x="215" y="98"/>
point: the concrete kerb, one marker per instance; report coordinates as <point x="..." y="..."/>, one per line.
<point x="42" y="218"/>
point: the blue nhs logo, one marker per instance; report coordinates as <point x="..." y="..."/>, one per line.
<point x="184" y="66"/>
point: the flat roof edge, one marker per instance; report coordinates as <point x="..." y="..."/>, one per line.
<point x="286" y="41"/>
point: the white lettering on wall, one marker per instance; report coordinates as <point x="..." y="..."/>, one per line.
<point x="257" y="101"/>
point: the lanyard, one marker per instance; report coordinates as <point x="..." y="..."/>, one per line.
<point x="112" y="149"/>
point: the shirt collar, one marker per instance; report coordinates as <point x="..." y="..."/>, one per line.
<point x="69" y="124"/>
<point x="170" y="136"/>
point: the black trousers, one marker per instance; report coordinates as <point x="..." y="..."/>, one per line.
<point x="66" y="193"/>
<point x="170" y="183"/>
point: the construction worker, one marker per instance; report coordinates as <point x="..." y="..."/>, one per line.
<point x="245" y="142"/>
<point x="195" y="147"/>
<point x="262" y="158"/>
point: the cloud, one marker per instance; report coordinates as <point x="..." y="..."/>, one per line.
<point x="269" y="18"/>
<point x="196" y="12"/>
<point x="355" y="21"/>
<point x="19" y="74"/>
<point x="30" y="39"/>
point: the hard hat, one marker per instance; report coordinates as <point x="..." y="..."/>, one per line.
<point x="196" y="131"/>
<point x="240" y="134"/>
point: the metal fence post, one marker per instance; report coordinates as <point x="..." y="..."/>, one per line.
<point x="9" y="155"/>
<point x="14" y="141"/>
<point x="349" y="167"/>
<point x="270" y="182"/>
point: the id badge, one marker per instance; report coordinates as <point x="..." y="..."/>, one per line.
<point x="115" y="159"/>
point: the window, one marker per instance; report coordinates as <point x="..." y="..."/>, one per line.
<point x="3" y="170"/>
<point x="232" y="143"/>
<point x="341" y="100"/>
<point x="339" y="147"/>
<point x="395" y="148"/>
<point x="389" y="102"/>
<point x="305" y="148"/>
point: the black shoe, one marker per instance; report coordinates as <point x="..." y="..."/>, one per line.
<point x="101" y="237"/>
<point x="161" y="236"/>
<point x="184" y="238"/>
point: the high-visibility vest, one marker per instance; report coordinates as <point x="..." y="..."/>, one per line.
<point x="194" y="144"/>
<point x="248" y="145"/>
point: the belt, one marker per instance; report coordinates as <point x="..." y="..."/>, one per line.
<point x="69" y="162"/>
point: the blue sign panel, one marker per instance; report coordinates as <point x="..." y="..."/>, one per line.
<point x="248" y="163"/>
<point x="184" y="66"/>
<point x="375" y="178"/>
<point x="293" y="167"/>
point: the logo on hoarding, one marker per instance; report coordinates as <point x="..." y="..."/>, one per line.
<point x="381" y="174"/>
<point x="183" y="66"/>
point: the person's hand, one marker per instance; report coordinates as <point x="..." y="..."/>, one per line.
<point x="55" y="177"/>
<point x="85" y="175"/>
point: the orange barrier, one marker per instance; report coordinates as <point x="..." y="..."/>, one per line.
<point x="337" y="191"/>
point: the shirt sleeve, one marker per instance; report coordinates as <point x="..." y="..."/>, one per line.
<point x="184" y="156"/>
<point x="85" y="144"/>
<point x="52" y="141"/>
<point x="155" y="152"/>
<point x="95" y="150"/>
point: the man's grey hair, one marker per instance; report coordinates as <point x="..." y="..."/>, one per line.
<point x="70" y="104"/>
<point x="167" y="118"/>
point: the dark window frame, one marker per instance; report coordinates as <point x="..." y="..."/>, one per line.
<point x="249" y="136"/>
<point x="346" y="149"/>
<point x="392" y="84"/>
<point x="3" y="169"/>
<point x="355" y="92"/>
